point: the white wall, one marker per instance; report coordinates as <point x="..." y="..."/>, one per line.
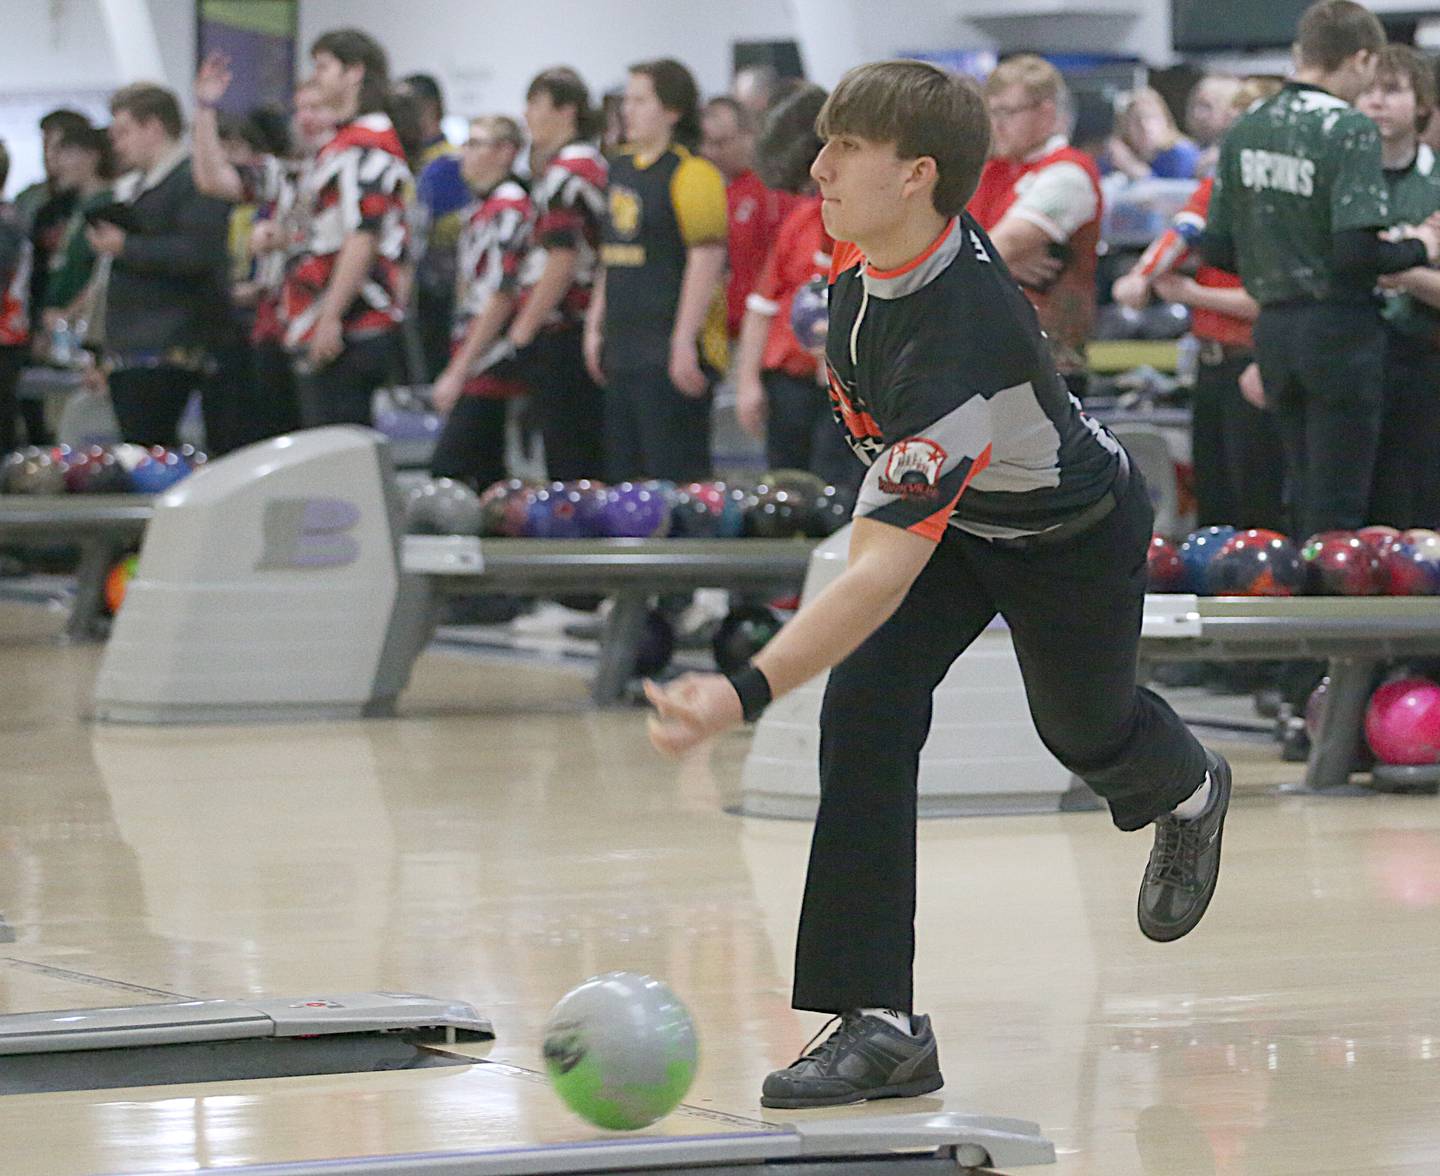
<point x="486" y="51"/>
<point x="54" y="46"/>
<point x="60" y="52"/>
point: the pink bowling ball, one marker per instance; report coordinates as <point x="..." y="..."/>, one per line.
<point x="1402" y="722"/>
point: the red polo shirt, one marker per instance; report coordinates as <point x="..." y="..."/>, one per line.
<point x="755" y="213"/>
<point x="802" y="252"/>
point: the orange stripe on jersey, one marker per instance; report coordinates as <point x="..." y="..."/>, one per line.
<point x="933" y="528"/>
<point x="915" y="261"/>
<point x="847" y="255"/>
<point x="859" y="424"/>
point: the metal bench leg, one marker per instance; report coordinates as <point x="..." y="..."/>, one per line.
<point x="97" y="554"/>
<point x="1342" y="718"/>
<point x="619" y="644"/>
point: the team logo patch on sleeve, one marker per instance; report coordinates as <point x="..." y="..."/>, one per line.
<point x="912" y="468"/>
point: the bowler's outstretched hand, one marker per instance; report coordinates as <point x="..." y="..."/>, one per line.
<point x="690" y="710"/>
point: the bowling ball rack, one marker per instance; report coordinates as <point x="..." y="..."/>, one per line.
<point x="1354" y="635"/>
<point x="630" y="571"/>
<point x="102" y="526"/>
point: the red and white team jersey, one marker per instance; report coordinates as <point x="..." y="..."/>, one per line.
<point x="359" y="182"/>
<point x="272" y="185"/>
<point x="569" y="209"/>
<point x="15" y="298"/>
<point x="492" y="248"/>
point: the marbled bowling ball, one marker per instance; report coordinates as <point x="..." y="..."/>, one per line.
<point x="745" y="631"/>
<point x="1198" y="550"/>
<point x="705" y="510"/>
<point x="1256" y="563"/>
<point x="1406" y="570"/>
<point x="621" y="1050"/>
<point x="33" y="471"/>
<point x="779" y="513"/>
<point x="1166" y="568"/>
<point x="96" y="470"/>
<point x="504" y="508"/>
<point x="636" y="511"/>
<point x="1379" y="537"/>
<point x="1340" y="563"/>
<point x="577" y="510"/>
<point x="801" y="482"/>
<point x="810" y="314"/>
<point x="1425" y="542"/>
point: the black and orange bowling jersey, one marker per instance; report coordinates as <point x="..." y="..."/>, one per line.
<point x="946" y="388"/>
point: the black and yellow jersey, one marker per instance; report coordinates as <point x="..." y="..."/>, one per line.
<point x="657" y="209"/>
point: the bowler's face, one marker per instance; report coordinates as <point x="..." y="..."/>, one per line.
<point x="861" y="187"/>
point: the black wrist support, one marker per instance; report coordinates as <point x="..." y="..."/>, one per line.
<point x="754" y="690"/>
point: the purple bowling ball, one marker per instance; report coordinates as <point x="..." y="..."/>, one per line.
<point x="634" y="511"/>
<point x="810" y="314"/>
<point x="567" y="510"/>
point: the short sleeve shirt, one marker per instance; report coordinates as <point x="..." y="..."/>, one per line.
<point x="493" y="240"/>
<point x="359" y="182"/>
<point x="1059" y="199"/>
<point x="942" y="379"/>
<point x="569" y="199"/>
<point x="1294" y="171"/>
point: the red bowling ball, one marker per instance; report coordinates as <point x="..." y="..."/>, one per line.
<point x="1407" y="571"/>
<point x="1340" y="563"/>
<point x="1379" y="538"/>
<point x="1402" y="722"/>
<point x="1167" y="569"/>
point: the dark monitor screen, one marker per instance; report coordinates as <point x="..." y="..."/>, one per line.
<point x="1201" y="25"/>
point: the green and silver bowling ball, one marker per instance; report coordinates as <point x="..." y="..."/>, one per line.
<point x="621" y="1050"/>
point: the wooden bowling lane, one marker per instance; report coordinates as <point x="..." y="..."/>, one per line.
<point x="224" y="1124"/>
<point x="501" y="841"/>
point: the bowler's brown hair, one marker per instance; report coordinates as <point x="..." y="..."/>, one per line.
<point x="924" y="111"/>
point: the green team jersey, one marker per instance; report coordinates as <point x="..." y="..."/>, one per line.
<point x="1295" y="170"/>
<point x="1414" y="194"/>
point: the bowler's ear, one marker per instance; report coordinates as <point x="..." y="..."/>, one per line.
<point x="924" y="172"/>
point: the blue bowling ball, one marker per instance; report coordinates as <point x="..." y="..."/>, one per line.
<point x="158" y="470"/>
<point x="568" y="510"/>
<point x="1198" y="552"/>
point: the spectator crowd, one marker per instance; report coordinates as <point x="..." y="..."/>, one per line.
<point x="596" y="271"/>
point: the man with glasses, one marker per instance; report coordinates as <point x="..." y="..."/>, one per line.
<point x="1039" y="199"/>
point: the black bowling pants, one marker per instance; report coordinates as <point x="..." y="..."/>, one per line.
<point x="1323" y="369"/>
<point x="1074" y="612"/>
